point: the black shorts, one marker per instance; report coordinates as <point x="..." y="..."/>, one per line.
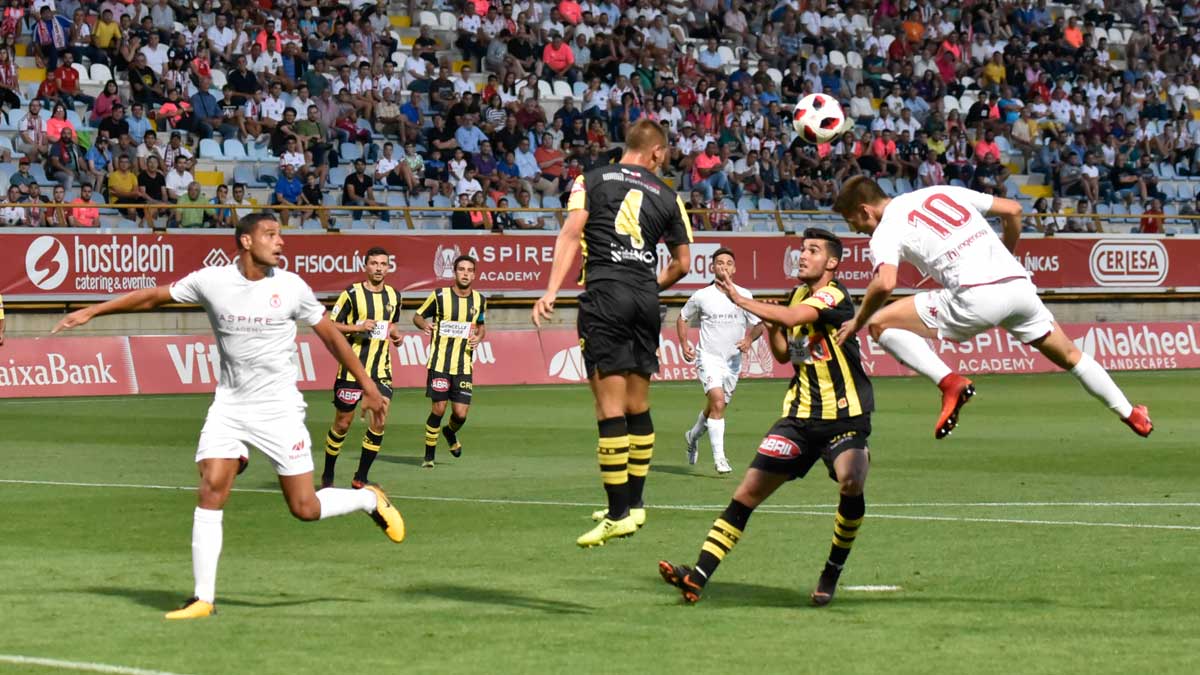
<point x="793" y="446"/>
<point x="453" y="388"/>
<point x="346" y="394"/>
<point x="619" y="328"/>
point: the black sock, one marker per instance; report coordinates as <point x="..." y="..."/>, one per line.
<point x="432" y="424"/>
<point x="613" y="453"/>
<point x="641" y="449"/>
<point x="724" y="535"/>
<point x="451" y="429"/>
<point x="372" y="441"/>
<point x="333" y="447"/>
<point x="845" y="528"/>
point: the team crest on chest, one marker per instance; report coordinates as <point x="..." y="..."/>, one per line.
<point x="275" y="301"/>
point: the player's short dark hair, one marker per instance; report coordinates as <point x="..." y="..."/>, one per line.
<point x="464" y="258"/>
<point x="374" y="251"/>
<point x="833" y="243"/>
<point x="723" y="251"/>
<point x="857" y="191"/>
<point x="248" y="224"/>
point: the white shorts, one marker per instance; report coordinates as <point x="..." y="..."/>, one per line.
<point x="714" y="372"/>
<point x="278" y="434"/>
<point x="1013" y="305"/>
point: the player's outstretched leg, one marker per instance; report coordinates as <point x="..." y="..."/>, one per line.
<point x="333" y="502"/>
<point x="851" y="467"/>
<point x="333" y="448"/>
<point x="458" y="417"/>
<point x="692" y="437"/>
<point x="724" y="534"/>
<point x="216" y="480"/>
<point x="1095" y="379"/>
<point x="371" y="443"/>
<point x="913" y="351"/>
<point x="613" y="454"/>
<point x="432" y="424"/>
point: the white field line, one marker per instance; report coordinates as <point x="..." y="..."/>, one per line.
<point x="872" y="588"/>
<point x="779" y="510"/>
<point x="77" y="665"/>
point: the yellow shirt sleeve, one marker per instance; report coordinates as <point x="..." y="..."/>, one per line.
<point x="578" y="198"/>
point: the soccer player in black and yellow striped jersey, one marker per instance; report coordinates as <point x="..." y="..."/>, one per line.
<point x="366" y="313"/>
<point x="826" y="416"/>
<point x="453" y="318"/>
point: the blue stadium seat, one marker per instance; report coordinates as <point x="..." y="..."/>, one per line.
<point x="210" y="149"/>
<point x="245" y="173"/>
<point x="234" y="149"/>
<point x="350" y="152"/>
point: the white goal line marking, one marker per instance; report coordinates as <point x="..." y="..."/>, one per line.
<point x="778" y="509"/>
<point x="78" y="665"/>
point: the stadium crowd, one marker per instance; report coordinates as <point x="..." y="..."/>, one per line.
<point x="332" y="104"/>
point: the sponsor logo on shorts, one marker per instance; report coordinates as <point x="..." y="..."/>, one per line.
<point x="779" y="447"/>
<point x="349" y="395"/>
<point x="1128" y="263"/>
<point x="440" y="384"/>
<point x="466" y="386"/>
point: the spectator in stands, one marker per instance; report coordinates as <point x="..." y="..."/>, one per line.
<point x="288" y="190"/>
<point x="13" y="214"/>
<point x="394" y="172"/>
<point x="190" y="217"/>
<point x="66" y="79"/>
<point x="221" y="215"/>
<point x="461" y="219"/>
<point x="1150" y="224"/>
<point x="152" y="188"/>
<point x="144" y="83"/>
<point x="358" y="190"/>
<point x="63" y="162"/>
<point x="527" y="219"/>
<point x="56" y="214"/>
<point x="178" y="179"/>
<point x="51" y="35"/>
<point x="558" y="61"/>
<point x="31" y="138"/>
<point x="241" y="205"/>
<point x="84" y="213"/>
<point x="123" y="186"/>
<point x="1079" y="221"/>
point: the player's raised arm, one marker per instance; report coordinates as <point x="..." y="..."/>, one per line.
<point x="146" y="298"/>
<point x="878" y="291"/>
<point x="566" y="248"/>
<point x="781" y="315"/>
<point x="1010" y="217"/>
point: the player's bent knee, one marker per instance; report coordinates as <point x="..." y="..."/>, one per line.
<point x="307" y="509"/>
<point x="875" y="329"/>
<point x="852" y="487"/>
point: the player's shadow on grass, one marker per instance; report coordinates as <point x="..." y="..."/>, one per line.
<point x="686" y="471"/>
<point x="395" y="459"/>
<point x="168" y="600"/>
<point x="499" y="596"/>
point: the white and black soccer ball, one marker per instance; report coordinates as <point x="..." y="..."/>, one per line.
<point x="818" y="118"/>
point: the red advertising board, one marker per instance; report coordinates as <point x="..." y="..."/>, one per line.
<point x="68" y="265"/>
<point x="87" y="366"/>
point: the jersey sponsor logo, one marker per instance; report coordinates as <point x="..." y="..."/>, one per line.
<point x="1128" y="263"/>
<point x="46" y="263"/>
<point x="778" y="447"/>
<point x="350" y="396"/>
<point x="443" y="261"/>
<point x="454" y="329"/>
<point x="440" y="384"/>
<point x="217" y="258"/>
<point x="568" y="365"/>
<point x="825" y="297"/>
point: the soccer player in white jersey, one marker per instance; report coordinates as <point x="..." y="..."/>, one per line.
<point x="942" y="231"/>
<point x="726" y="332"/>
<point x="253" y="307"/>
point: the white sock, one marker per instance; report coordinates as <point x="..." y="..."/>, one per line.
<point x="699" y="427"/>
<point x="207" y="535"/>
<point x="1100" y="384"/>
<point x="716" y="436"/>
<point x="913" y="351"/>
<point x="340" y="501"/>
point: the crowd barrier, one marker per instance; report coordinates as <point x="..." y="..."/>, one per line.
<point x="79" y="265"/>
<point x="105" y="366"/>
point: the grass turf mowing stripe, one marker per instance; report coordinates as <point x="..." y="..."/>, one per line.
<point x="77" y="665"/>
<point x="782" y="510"/>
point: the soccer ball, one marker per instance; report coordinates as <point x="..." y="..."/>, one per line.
<point x="818" y="118"/>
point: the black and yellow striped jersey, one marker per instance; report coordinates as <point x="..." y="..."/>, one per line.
<point x="829" y="381"/>
<point x="629" y="210"/>
<point x="358" y="303"/>
<point x="453" y="318"/>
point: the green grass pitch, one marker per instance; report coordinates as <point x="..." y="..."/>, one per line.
<point x="1043" y="537"/>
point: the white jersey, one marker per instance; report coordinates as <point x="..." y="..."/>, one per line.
<point x="722" y="323"/>
<point x="942" y="232"/>
<point x="255" y="326"/>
